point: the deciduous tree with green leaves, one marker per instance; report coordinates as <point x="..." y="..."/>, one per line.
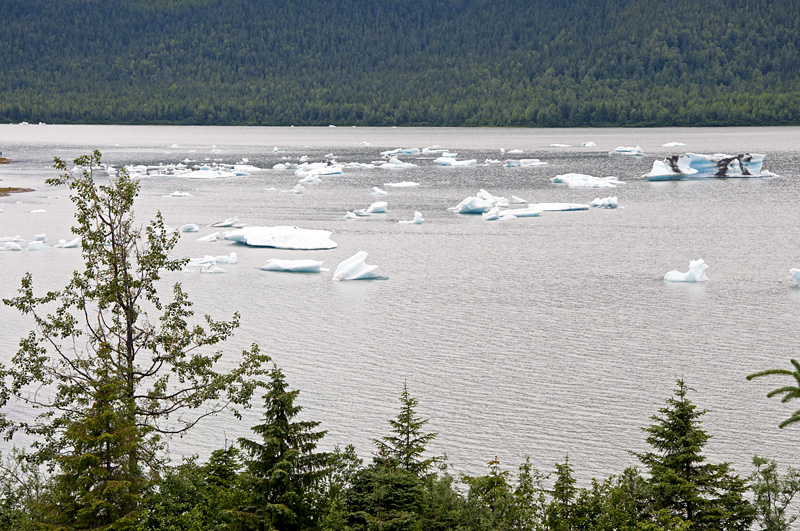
<point x="110" y="369"/>
<point x="773" y="493"/>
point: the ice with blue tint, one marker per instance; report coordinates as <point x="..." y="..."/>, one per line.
<point x="696" y="273"/>
<point x="356" y="268"/>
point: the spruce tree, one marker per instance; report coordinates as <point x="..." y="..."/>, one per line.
<point x="789" y="392"/>
<point x="409" y="442"/>
<point x="709" y="496"/>
<point x="284" y="469"/>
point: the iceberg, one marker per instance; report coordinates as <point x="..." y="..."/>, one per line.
<point x="350" y="215"/>
<point x="377" y="208"/>
<point x="589" y="144"/>
<point x="403" y="184"/>
<point x="560" y="145"/>
<point x="628" y="151"/>
<point x="38" y="211"/>
<point x="795" y="276"/>
<point x="397" y="164"/>
<point x="208" y="259"/>
<point x="517" y="200"/>
<point x="721" y="165"/>
<point x="378" y="191"/>
<point x="480" y="203"/>
<point x="579" y="180"/>
<point x="416" y="221"/>
<point x="672" y="168"/>
<point x="495" y="214"/>
<point x="212" y="268"/>
<point x="516" y="152"/>
<point x="36" y="245"/>
<point x="294" y="266"/>
<point x="531" y="211"/>
<point x="72" y="244"/>
<point x="179" y="194"/>
<point x="449" y="159"/>
<point x="230" y="222"/>
<point x="559" y="207"/>
<point x="11" y="246"/>
<point x="696" y="273"/>
<point x="400" y="151"/>
<point x="282" y="237"/>
<point x="210" y="238"/>
<point x="40" y="237"/>
<point x="356" y="268"/>
<point x="673" y="144"/>
<point x="521" y="163"/>
<point x="16" y="238"/>
<point x="298" y="189"/>
<point x="606" y="202"/>
<point x="189" y="227"/>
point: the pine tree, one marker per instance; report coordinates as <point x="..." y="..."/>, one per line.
<point x="789" y="392"/>
<point x="284" y="469"/>
<point x="409" y="442"/>
<point x="709" y="496"/>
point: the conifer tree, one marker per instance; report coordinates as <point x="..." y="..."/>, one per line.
<point x="110" y="368"/>
<point x="709" y="496"/>
<point x="409" y="442"/>
<point x="284" y="468"/>
<point x="789" y="392"/>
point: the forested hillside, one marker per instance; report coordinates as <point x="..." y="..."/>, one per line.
<point x="401" y="62"/>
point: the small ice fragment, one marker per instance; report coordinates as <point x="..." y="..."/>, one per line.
<point x="36" y="246"/>
<point x="377" y="208"/>
<point x="189" y="227"/>
<point x="40" y="237"/>
<point x="696" y="273"/>
<point x="356" y="268"/>
<point x="294" y="266"/>
<point x="38" y="211"/>
<point x="11" y="246"/>
<point x="230" y="222"/>
<point x="212" y="268"/>
<point x="673" y="144"/>
<point x="589" y="144"/>
<point x="211" y="237"/>
<point x="350" y="215"/>
<point x="378" y="191"/>
<point x="416" y="221"/>
<point x="298" y="189"/>
<point x="180" y="194"/>
<point x="606" y="202"/>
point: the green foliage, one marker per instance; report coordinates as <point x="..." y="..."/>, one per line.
<point x="428" y="62"/>
<point x="789" y="392"/>
<point x="773" y="493"/>
<point x="709" y="496"/>
<point x="409" y="442"/>
<point x="23" y="493"/>
<point x="108" y="381"/>
<point x="284" y="471"/>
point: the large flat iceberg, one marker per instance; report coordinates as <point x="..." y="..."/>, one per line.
<point x="695" y="165"/>
<point x="282" y="237"/>
<point x="696" y="273"/>
<point x="580" y="180"/>
<point x="294" y="266"/>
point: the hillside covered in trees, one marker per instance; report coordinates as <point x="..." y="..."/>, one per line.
<point x="401" y="62"/>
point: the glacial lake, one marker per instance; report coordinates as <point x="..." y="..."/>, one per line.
<point x="546" y="336"/>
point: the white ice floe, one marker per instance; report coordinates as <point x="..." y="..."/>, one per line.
<point x="179" y="194"/>
<point x="795" y="276"/>
<point x="559" y="207"/>
<point x="71" y="244"/>
<point x="416" y="221"/>
<point x="481" y="202"/>
<point x="16" y="238"/>
<point x="298" y="189"/>
<point x="208" y="259"/>
<point x="378" y="191"/>
<point x="522" y="163"/>
<point x="214" y="237"/>
<point x="402" y="184"/>
<point x="673" y="144"/>
<point x="282" y="237"/>
<point x="396" y="164"/>
<point x="10" y="246"/>
<point x="350" y="215"/>
<point x="560" y="145"/>
<point x="40" y="237"/>
<point x="628" y="151"/>
<point x="530" y="211"/>
<point x="672" y="168"/>
<point x="516" y="152"/>
<point x="36" y="245"/>
<point x="294" y="266"/>
<point x="722" y="165"/>
<point x="449" y="159"/>
<point x="400" y="151"/>
<point x="696" y="273"/>
<point x="38" y="211"/>
<point x="212" y="268"/>
<point x="190" y="227"/>
<point x="517" y="200"/>
<point x="378" y="207"/>
<point x="495" y="214"/>
<point x="579" y="180"/>
<point x="356" y="268"/>
<point x="589" y="144"/>
<point x="230" y="222"/>
<point x="606" y="202"/>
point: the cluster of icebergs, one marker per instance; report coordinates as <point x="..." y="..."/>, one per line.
<point x="694" y="165"/>
<point x="494" y="208"/>
<point x="15" y="243"/>
<point x="214" y="170"/>
<point x="353" y="268"/>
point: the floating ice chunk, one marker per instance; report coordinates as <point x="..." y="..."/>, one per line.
<point x="310" y="179"/>
<point x="531" y="211"/>
<point x="473" y="205"/>
<point x="673" y="144"/>
<point x="579" y="180"/>
<point x="72" y="244"/>
<point x="377" y="208"/>
<point x="516" y="152"/>
<point x="230" y="222"/>
<point x="399" y="151"/>
<point x="447" y="160"/>
<point x="495" y="214"/>
<point x="589" y="144"/>
<point x="696" y="273"/>
<point x="559" y="207"/>
<point x="378" y="191"/>
<point x="396" y="164"/>
<point x="180" y="194"/>
<point x="560" y="145"/>
<point x="275" y="149"/>
<point x="511" y="163"/>
<point x="606" y="202"/>
<point x="496" y="200"/>
<point x="628" y="151"/>
<point x="40" y="237"/>
<point x="208" y="259"/>
<point x="298" y="189"/>
<point x="356" y="268"/>
<point x="492" y="161"/>
<point x="280" y="166"/>
<point x="189" y="227"/>
<point x="36" y="245"/>
<point x="517" y="200"/>
<point x="360" y="165"/>
<point x="672" y="168"/>
<point x="721" y="165"/>
<point x="403" y="184"/>
<point x="11" y="246"/>
<point x="294" y="266"/>
<point x="282" y="237"/>
<point x="212" y="268"/>
<point x="16" y="238"/>
<point x="416" y="221"/>
<point x="210" y="238"/>
<point x="795" y="276"/>
<point x="350" y="215"/>
<point x="38" y="211"/>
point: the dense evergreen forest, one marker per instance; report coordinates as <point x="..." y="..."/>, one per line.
<point x="401" y="62"/>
